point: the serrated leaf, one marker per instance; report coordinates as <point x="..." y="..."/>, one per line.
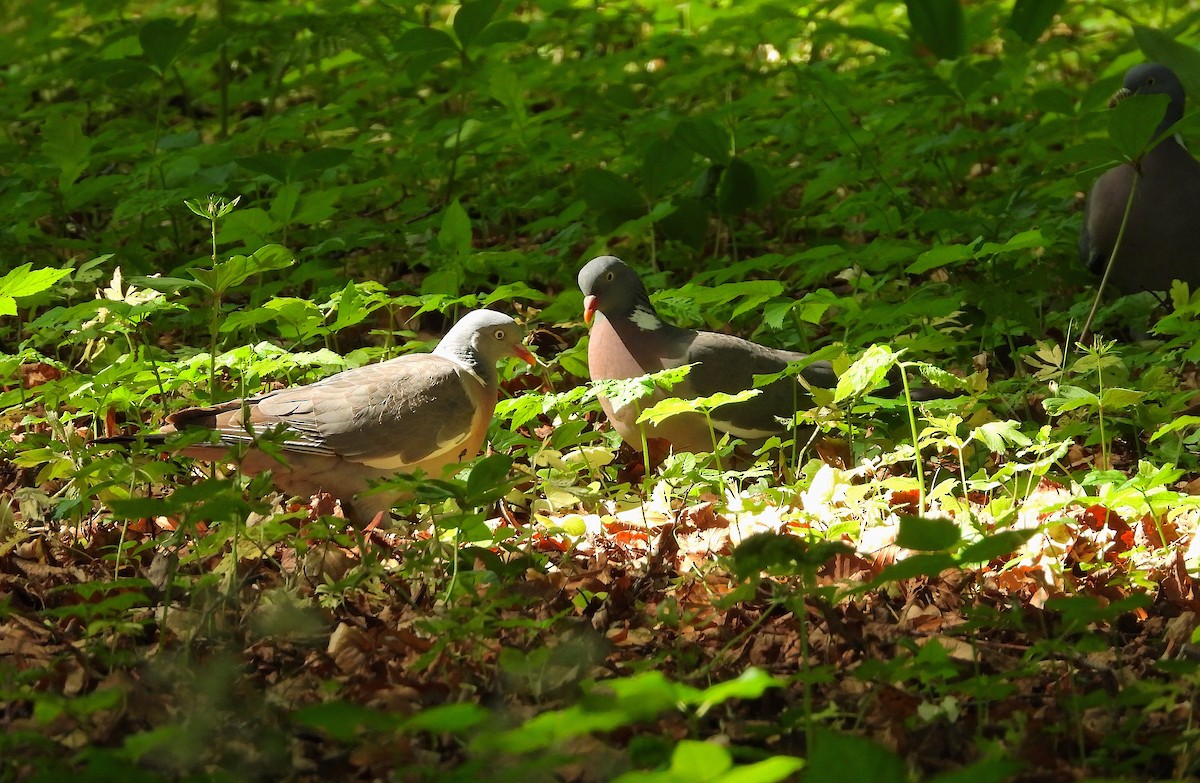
<point x="998" y="435"/>
<point x="65" y="145"/>
<point x="867" y="372"/>
<point x="673" y="406"/>
<point x="27" y="281"/>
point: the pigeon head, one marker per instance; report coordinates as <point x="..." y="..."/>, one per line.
<point x="1154" y="79"/>
<point x="482" y="337"/>
<point x="611" y="287"/>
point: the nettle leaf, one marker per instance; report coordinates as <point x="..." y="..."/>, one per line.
<point x="1116" y="398"/>
<point x="163" y="40"/>
<point x="623" y="391"/>
<point x="27" y="281"/>
<point x="673" y="406"/>
<point x="1175" y="425"/>
<point x="1132" y="123"/>
<point x="866" y="373"/>
<point x="488" y="479"/>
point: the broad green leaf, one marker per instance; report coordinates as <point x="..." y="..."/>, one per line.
<point x="739" y="187"/>
<point x="840" y="758"/>
<point x="343" y="720"/>
<point x="605" y="191"/>
<point x="867" y="372"/>
<point x="770" y="770"/>
<point x="488" y="476"/>
<point x="444" y="718"/>
<point x="454" y="237"/>
<point x="1070" y="398"/>
<point x="471" y="18"/>
<point x="425" y="39"/>
<point x="1132" y="123"/>
<point x="927" y="535"/>
<point x="673" y="406"/>
<point x="995" y="545"/>
<point x="917" y="565"/>
<point x="705" y="138"/>
<point x="999" y="435"/>
<point x="1115" y="398"/>
<point x="27" y="281"/>
<point x="1180" y="57"/>
<point x="163" y="40"/>
<point x="1030" y="18"/>
<point x="1175" y="425"/>
<point x="64" y="143"/>
<point x="623" y="391"/>
<point x="939" y="24"/>
<point x="699" y="761"/>
<point x="750" y="684"/>
<point x="504" y="31"/>
<point x="942" y="255"/>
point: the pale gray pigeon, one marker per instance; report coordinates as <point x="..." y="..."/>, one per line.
<point x="414" y="412"/>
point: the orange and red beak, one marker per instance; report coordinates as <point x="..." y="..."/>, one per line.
<point x="589" y="309"/>
<point x="523" y="353"/>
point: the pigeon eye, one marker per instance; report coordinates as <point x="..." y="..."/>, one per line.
<point x="499" y="334"/>
<point x="1150" y="82"/>
<point x="609" y="276"/>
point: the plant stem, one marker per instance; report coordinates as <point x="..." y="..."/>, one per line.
<point x="1112" y="257"/>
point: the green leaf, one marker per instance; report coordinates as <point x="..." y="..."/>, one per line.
<point x="1115" y="398"/>
<point x="738" y="188"/>
<point x="623" y="391"/>
<point x="1030" y="18"/>
<point x="605" y="191"/>
<point x="866" y="373"/>
<point x="770" y="770"/>
<point x="453" y="718"/>
<point x="1132" y="123"/>
<point x="471" y="18"/>
<point x="64" y="144"/>
<point x="939" y="25"/>
<point x="425" y="39"/>
<point x="1174" y="425"/>
<point x="750" y="684"/>
<point x="505" y="31"/>
<point x="704" y="137"/>
<point x="996" y="545"/>
<point x="343" y="720"/>
<point x="917" y="565"/>
<point x="488" y="479"/>
<point x="1070" y="398"/>
<point x="673" y="406"/>
<point x="927" y="535"/>
<point x="163" y="40"/>
<point x="1181" y="58"/>
<point x="454" y="237"/>
<point x="26" y="281"/>
<point x="943" y="255"/>
<point x="840" y="758"/>
<point x="998" y="435"/>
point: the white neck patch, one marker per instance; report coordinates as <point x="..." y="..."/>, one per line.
<point x="644" y="319"/>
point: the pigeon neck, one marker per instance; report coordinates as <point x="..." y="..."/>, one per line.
<point x="466" y="357"/>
